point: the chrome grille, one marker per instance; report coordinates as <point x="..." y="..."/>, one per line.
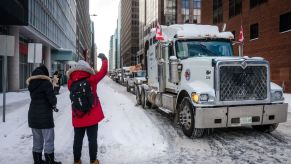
<point x="238" y="84"/>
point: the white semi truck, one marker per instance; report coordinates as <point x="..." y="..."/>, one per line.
<point x="194" y="75"/>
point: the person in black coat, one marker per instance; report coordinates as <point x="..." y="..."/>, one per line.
<point x="56" y="82"/>
<point x="40" y="115"/>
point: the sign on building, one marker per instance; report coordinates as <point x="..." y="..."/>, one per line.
<point x="6" y="45"/>
<point x="34" y="53"/>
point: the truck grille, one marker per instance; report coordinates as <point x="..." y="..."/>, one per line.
<point x="238" y="84"/>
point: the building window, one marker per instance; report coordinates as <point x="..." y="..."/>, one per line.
<point x="170" y="11"/>
<point x="285" y="22"/>
<point x="235" y="7"/>
<point x="196" y="11"/>
<point x="185" y="11"/>
<point x="254" y="31"/>
<point x="254" y="3"/>
<point x="217" y="11"/>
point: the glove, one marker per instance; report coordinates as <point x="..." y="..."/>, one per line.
<point x="102" y="56"/>
<point x="54" y="108"/>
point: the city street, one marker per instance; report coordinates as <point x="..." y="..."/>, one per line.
<point x="130" y="134"/>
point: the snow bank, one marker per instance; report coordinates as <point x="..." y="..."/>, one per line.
<point x="12" y="97"/>
<point x="126" y="130"/>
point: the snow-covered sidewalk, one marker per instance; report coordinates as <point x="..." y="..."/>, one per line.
<point x="14" y="97"/>
<point x="126" y="134"/>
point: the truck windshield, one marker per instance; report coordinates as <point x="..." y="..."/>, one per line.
<point x="197" y="48"/>
<point x="140" y="74"/>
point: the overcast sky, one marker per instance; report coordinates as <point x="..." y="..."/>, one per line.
<point x="105" y="23"/>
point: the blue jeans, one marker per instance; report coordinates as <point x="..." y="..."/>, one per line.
<point x="43" y="139"/>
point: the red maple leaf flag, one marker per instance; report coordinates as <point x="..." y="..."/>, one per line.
<point x="241" y="35"/>
<point x="159" y="34"/>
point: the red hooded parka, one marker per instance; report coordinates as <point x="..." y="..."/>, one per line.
<point x="96" y="113"/>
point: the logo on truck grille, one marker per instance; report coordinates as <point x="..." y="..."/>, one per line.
<point x="244" y="64"/>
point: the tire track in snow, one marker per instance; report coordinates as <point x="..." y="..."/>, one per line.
<point x="245" y="145"/>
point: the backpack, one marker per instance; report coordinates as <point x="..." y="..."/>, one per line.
<point x="81" y="97"/>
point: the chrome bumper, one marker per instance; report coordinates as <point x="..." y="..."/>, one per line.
<point x="240" y="115"/>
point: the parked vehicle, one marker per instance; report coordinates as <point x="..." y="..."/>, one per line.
<point x="111" y="74"/>
<point x="193" y="75"/>
<point x="137" y="78"/>
<point x="117" y="75"/>
<point x="126" y="74"/>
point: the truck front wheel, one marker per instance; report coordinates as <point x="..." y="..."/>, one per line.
<point x="265" y="128"/>
<point x="187" y="119"/>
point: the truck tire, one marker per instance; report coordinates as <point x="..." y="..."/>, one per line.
<point x="127" y="87"/>
<point x="137" y="95"/>
<point x="265" y="128"/>
<point x="187" y="119"/>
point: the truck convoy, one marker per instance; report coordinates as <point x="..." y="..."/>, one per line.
<point x="193" y="75"/>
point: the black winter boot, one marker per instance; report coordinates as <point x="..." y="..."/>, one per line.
<point x="37" y="157"/>
<point x="50" y="159"/>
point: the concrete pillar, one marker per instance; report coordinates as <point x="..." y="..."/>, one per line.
<point x="13" y="62"/>
<point x="47" y="59"/>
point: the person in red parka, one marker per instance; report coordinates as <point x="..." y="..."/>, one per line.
<point x="89" y="122"/>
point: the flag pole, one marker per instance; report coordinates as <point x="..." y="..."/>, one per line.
<point x="242" y="43"/>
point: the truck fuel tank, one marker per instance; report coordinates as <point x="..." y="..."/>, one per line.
<point x="174" y="76"/>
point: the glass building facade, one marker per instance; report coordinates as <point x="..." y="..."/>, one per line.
<point x="49" y="22"/>
<point x="56" y="20"/>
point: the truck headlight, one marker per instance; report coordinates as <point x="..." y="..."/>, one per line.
<point x="138" y="82"/>
<point x="201" y="98"/>
<point x="277" y="96"/>
<point x="195" y="97"/>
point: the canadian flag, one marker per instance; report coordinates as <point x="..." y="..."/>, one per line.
<point x="159" y="34"/>
<point x="241" y="35"/>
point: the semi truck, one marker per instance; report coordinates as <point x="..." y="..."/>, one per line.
<point x="193" y="75"/>
<point x="137" y="75"/>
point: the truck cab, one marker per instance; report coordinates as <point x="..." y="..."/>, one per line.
<point x="136" y="78"/>
<point x="194" y="75"/>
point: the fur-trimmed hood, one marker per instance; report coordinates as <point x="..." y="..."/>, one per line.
<point x="80" y="68"/>
<point x="39" y="77"/>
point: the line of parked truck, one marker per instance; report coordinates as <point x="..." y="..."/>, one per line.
<point x="193" y="75"/>
<point x="130" y="77"/>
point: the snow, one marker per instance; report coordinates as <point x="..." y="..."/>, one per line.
<point x="12" y="97"/>
<point x="130" y="134"/>
<point x="126" y="133"/>
<point x="193" y="31"/>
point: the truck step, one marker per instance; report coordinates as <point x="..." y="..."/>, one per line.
<point x="167" y="111"/>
